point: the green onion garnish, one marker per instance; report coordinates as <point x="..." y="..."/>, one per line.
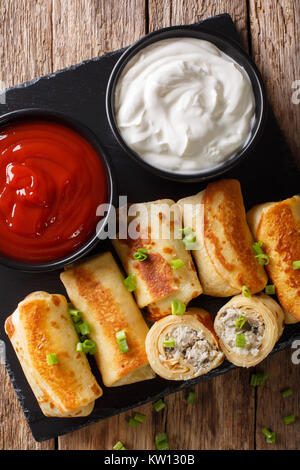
<point x="130" y="283"/>
<point x="286" y="393"/>
<point x="79" y="347"/>
<point x="51" y="359"/>
<point x="296" y="264"/>
<point x="257" y="247"/>
<point x="133" y="423"/>
<point x="161" y="441"/>
<point x="240" y="340"/>
<point x="75" y="314"/>
<point x="178" y="308"/>
<point x="89" y="347"/>
<point x="240" y="322"/>
<point x="140" y="254"/>
<point x="186" y="230"/>
<point x="270" y="436"/>
<point x="191" y="398"/>
<point x="84" y="328"/>
<point x="122" y="342"/>
<point x="246" y="291"/>
<point x="263" y="259"/>
<point x="159" y="405"/>
<point x="140" y="417"/>
<point x="270" y="289"/>
<point x="169" y="343"/>
<point x="176" y="263"/>
<point x="119" y="446"/>
<point x="258" y="379"/>
<point x="189" y="241"/>
<point x="289" y="419"/>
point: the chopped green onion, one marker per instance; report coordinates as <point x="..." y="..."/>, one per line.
<point x="51" y="359"/>
<point x="159" y="405"/>
<point x="161" y="441"/>
<point x="191" y="398"/>
<point x="186" y="230"/>
<point x="133" y="423"/>
<point x="240" y="340"/>
<point x="176" y="263"/>
<point x="169" y="343"/>
<point x="270" y="289"/>
<point x="79" y="347"/>
<point x="119" y="446"/>
<point x="296" y="264"/>
<point x="130" y="283"/>
<point x="286" y="393"/>
<point x="89" y="347"/>
<point x="258" y="379"/>
<point x="246" y="291"/>
<point x="84" y="328"/>
<point x="140" y="417"/>
<point x="289" y="419"/>
<point x="75" y="314"/>
<point x="270" y="436"/>
<point x="140" y="254"/>
<point x="240" y="322"/>
<point x="121" y="340"/>
<point x="257" y="247"/>
<point x="263" y="259"/>
<point x="178" y="308"/>
<point x="189" y="241"/>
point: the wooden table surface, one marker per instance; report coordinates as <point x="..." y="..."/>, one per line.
<point x="41" y="36"/>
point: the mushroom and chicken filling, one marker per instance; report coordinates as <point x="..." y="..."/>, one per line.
<point x="253" y="331"/>
<point x="191" y="346"/>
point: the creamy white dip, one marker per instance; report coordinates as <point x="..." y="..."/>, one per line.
<point x="183" y="105"/>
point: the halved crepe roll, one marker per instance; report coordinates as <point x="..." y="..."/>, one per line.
<point x="277" y="225"/>
<point x="224" y="257"/>
<point x="96" y="288"/>
<point x="39" y="327"/>
<point x="248" y="328"/>
<point x="157" y="282"/>
<point x="183" y="347"/>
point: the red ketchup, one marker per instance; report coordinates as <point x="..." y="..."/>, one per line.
<point x="51" y="182"/>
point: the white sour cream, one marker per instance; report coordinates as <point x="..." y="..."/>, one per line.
<point x="183" y="105"/>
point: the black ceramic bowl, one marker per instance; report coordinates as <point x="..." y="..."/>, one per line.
<point x="41" y="114"/>
<point x="233" y="50"/>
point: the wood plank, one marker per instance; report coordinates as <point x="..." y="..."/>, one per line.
<point x="218" y="422"/>
<point x="25" y="53"/>
<point x="275" y="41"/>
<point x="271" y="407"/>
<point x="83" y="29"/>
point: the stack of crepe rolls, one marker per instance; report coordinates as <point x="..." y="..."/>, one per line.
<point x="183" y="347"/>
<point x="40" y="326"/>
<point x="224" y="256"/>
<point x="157" y="283"/>
<point x="277" y="226"/>
<point x="261" y="326"/>
<point x="96" y="288"/>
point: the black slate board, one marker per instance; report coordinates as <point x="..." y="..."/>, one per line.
<point x="79" y="91"/>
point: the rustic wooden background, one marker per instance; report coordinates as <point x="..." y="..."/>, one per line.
<point x="41" y="36"/>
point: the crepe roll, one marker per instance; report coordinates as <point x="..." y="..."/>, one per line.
<point x="224" y="256"/>
<point x="158" y="282"/>
<point x="39" y="327"/>
<point x="248" y="328"/>
<point x="96" y="288"/>
<point x="183" y="347"/>
<point x="277" y="226"/>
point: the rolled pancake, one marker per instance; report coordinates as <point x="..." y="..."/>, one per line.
<point x="159" y="224"/>
<point x="196" y="350"/>
<point x="264" y="326"/>
<point x="277" y="225"/>
<point x="96" y="288"/>
<point x="39" y="326"/>
<point x="224" y="256"/>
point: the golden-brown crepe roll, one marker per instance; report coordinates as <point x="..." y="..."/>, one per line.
<point x="183" y="347"/>
<point x="224" y="257"/>
<point x="248" y="328"/>
<point x="40" y="326"/>
<point x="277" y="225"/>
<point x="158" y="284"/>
<point x="96" y="288"/>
